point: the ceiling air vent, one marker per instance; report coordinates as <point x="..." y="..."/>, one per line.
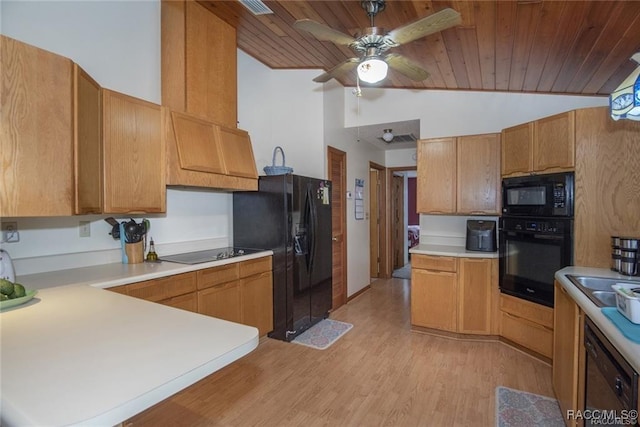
<point x="400" y="138"/>
<point x="256" y="7"/>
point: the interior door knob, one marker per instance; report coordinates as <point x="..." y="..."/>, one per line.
<point x="334" y="238"/>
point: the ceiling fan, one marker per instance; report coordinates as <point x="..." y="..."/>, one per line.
<point x="373" y="63"/>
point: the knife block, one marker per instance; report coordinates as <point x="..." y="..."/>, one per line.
<point x="135" y="252"/>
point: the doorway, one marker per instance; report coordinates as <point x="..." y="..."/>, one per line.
<point x="405" y="222"/>
<point x="337" y="172"/>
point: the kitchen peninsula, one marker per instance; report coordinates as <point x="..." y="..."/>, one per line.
<point x="77" y="354"/>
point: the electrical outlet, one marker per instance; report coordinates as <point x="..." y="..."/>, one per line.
<point x="85" y="229"/>
<point x="10" y="232"/>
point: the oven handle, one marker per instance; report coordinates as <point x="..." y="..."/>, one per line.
<point x="530" y="236"/>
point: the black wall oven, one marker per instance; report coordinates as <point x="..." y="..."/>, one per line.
<point x="531" y="251"/>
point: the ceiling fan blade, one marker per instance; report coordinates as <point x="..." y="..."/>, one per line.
<point x="338" y="71"/>
<point x="423" y="27"/>
<point x="406" y="67"/>
<point x="322" y="32"/>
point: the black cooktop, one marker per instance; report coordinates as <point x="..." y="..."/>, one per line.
<point x="209" y="255"/>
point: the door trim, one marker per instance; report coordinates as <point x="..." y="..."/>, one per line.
<point x="390" y="172"/>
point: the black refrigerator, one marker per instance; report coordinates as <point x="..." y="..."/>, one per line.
<point x="291" y="215"/>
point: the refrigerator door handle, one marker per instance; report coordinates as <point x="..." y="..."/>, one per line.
<point x="311" y="227"/>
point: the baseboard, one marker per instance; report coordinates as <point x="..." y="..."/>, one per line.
<point x="360" y="292"/>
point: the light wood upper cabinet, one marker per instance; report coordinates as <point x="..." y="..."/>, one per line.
<point x="478" y="174"/>
<point x="436" y="183"/>
<point x="87" y="110"/>
<point x="543" y="146"/>
<point x="134" y="155"/>
<point x="36" y="131"/>
<point x="459" y="175"/>
<point x="202" y="153"/>
<point x="199" y="67"/>
<point x="517" y="143"/>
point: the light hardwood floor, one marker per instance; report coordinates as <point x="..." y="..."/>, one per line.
<point x="379" y="373"/>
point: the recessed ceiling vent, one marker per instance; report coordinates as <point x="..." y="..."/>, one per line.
<point x="256" y="7"/>
<point x="400" y="138"/>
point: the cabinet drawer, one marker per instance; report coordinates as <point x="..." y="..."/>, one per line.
<point x="217" y="275"/>
<point x="527" y="310"/>
<point x="254" y="266"/>
<point x="526" y="333"/>
<point x="187" y="302"/>
<point x="166" y="287"/>
<point x="429" y="262"/>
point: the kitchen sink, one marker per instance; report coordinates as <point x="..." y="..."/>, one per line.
<point x="598" y="289"/>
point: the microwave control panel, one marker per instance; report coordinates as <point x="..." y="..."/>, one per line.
<point x="559" y="196"/>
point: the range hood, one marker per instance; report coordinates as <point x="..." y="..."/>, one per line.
<point x="624" y="102"/>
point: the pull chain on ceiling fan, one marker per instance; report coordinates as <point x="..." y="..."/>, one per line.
<point x="372" y="65"/>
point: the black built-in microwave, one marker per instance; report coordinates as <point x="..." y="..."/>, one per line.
<point x="548" y="195"/>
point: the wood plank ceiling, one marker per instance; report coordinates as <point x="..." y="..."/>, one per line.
<point x="560" y="47"/>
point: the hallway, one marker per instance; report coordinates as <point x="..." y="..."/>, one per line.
<point x="379" y="373"/>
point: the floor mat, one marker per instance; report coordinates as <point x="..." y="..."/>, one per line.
<point x="403" y="273"/>
<point x="323" y="334"/>
<point x="515" y="408"/>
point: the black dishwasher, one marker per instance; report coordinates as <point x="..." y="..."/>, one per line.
<point x="611" y="384"/>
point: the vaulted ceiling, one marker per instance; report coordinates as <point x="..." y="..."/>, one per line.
<point x="529" y="46"/>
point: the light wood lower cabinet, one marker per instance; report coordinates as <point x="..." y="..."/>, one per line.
<point x="527" y="324"/>
<point x="568" y="352"/>
<point x="454" y="294"/>
<point x="240" y="292"/>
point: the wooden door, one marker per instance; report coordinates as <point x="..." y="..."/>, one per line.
<point x="517" y="149"/>
<point x="478" y="175"/>
<point x="134" y="155"/>
<point x="374" y="222"/>
<point x="337" y="164"/>
<point x="566" y="347"/>
<point x="36" y="139"/>
<point x="397" y="221"/>
<point x="554" y="143"/>
<point x="436" y="184"/>
<point x="434" y="299"/>
<point x="475" y="295"/>
<point x="87" y="136"/>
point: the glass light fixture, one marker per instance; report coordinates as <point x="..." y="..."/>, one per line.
<point x="387" y="136"/>
<point x="372" y="70"/>
<point x="624" y="102"/>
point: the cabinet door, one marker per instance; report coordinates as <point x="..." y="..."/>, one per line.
<point x="517" y="146"/>
<point x="554" y="147"/>
<point x="434" y="299"/>
<point x="257" y="302"/>
<point x="237" y="152"/>
<point x="87" y="109"/>
<point x="566" y="348"/>
<point x="475" y="296"/>
<point x="478" y="177"/>
<point x="134" y="155"/>
<point x="221" y="301"/>
<point x="36" y="131"/>
<point x="436" y="185"/>
<point x="198" y="145"/>
<point x="211" y="66"/>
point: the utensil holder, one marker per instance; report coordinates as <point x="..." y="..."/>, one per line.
<point x="135" y="252"/>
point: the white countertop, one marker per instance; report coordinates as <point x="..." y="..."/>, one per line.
<point x="629" y="350"/>
<point x="455" y="251"/>
<point x="109" y="275"/>
<point x="80" y="355"/>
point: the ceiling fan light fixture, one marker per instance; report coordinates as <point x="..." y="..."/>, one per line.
<point x="387" y="135"/>
<point x="372" y="70"/>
